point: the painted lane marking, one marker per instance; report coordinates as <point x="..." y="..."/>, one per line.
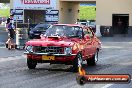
<point x="108" y="85"/>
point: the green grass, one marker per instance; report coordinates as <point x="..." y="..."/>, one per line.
<point x="87" y="12"/>
<point x="4" y="12"/>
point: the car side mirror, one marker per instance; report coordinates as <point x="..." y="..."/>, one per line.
<point x="87" y="37"/>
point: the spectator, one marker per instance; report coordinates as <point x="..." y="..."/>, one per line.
<point x="10" y="29"/>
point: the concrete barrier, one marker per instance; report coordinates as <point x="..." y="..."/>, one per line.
<point x="97" y="33"/>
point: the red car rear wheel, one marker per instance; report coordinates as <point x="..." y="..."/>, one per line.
<point x="92" y="61"/>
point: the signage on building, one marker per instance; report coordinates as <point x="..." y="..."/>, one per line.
<point x="36" y="1"/>
<point x="52" y="16"/>
<point x="18" y="15"/>
<point x="35" y="4"/>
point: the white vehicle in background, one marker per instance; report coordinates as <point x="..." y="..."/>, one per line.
<point x="88" y="23"/>
<point x="83" y="23"/>
<point x="92" y="25"/>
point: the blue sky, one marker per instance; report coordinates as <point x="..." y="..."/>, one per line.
<point x="85" y="4"/>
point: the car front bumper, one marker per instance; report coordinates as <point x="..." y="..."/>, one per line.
<point x="49" y="54"/>
<point x="57" y="57"/>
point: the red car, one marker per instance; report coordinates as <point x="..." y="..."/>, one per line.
<point x="63" y="44"/>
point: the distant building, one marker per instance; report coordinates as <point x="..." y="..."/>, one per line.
<point x="109" y="13"/>
<point x="35" y="11"/>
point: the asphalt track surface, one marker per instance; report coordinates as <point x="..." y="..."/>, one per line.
<point x="114" y="58"/>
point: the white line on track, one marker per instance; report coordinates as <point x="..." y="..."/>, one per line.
<point x="108" y="85"/>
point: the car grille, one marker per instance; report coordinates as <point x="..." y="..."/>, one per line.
<point x="49" y="49"/>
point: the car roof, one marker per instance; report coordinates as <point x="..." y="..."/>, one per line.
<point x="77" y="25"/>
<point x="43" y="24"/>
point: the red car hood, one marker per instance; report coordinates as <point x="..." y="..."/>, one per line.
<point x="51" y="42"/>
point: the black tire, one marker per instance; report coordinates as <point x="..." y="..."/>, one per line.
<point x="31" y="64"/>
<point x="15" y="46"/>
<point x="6" y="45"/>
<point x="91" y="61"/>
<point x="76" y="63"/>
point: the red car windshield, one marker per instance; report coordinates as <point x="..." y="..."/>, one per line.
<point x="61" y="30"/>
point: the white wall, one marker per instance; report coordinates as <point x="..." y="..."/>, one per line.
<point x="68" y="12"/>
<point x="105" y="9"/>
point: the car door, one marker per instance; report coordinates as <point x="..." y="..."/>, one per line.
<point x="87" y="43"/>
<point x="82" y="42"/>
<point x="93" y="42"/>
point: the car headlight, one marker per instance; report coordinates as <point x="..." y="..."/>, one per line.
<point x="29" y="48"/>
<point x="68" y="50"/>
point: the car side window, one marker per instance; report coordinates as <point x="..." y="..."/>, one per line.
<point x="80" y="32"/>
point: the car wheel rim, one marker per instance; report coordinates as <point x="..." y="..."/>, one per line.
<point x="79" y="60"/>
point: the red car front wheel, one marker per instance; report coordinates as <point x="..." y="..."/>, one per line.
<point x="78" y="61"/>
<point x="31" y="63"/>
